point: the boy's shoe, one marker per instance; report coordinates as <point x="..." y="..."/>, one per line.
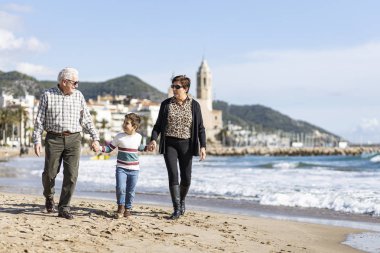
<point x="127" y="213"/>
<point x="120" y="211"/>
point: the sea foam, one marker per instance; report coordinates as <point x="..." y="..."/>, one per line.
<point x="347" y="184"/>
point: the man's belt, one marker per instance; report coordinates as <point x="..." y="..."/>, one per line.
<point x="66" y="133"/>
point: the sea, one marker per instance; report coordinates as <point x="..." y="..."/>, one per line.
<point x="336" y="190"/>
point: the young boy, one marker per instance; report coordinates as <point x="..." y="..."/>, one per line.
<point x="127" y="167"/>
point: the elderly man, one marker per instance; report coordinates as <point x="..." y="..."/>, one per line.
<point x="62" y="113"/>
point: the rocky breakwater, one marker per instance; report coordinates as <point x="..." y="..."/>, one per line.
<point x="289" y="151"/>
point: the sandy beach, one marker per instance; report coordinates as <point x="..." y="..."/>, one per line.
<point x="26" y="227"/>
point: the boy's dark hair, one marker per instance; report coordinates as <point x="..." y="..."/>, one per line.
<point x="134" y="118"/>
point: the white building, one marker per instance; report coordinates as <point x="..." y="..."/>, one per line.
<point x="109" y="113"/>
<point x="24" y="126"/>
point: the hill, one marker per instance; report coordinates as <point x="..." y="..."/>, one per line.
<point x="261" y="117"/>
<point x="264" y="119"/>
<point x="17" y="83"/>
<point x="125" y="85"/>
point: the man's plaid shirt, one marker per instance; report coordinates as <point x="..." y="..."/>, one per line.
<point x="59" y="113"/>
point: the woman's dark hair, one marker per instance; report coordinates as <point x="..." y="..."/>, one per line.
<point x="134" y="118"/>
<point x="184" y="80"/>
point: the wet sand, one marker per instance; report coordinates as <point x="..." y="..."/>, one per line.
<point x="26" y="227"/>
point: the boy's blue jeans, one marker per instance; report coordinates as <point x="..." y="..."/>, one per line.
<point x="126" y="181"/>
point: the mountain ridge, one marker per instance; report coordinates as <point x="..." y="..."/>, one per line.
<point x="262" y="118"/>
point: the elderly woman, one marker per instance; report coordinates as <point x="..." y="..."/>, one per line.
<point x="183" y="136"/>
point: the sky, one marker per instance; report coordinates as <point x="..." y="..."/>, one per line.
<point x="317" y="61"/>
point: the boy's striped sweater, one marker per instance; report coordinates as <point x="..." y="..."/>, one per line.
<point x="128" y="147"/>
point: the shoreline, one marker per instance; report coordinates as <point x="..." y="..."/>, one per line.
<point x="7" y="152"/>
<point x="291" y="151"/>
<point x="234" y="207"/>
<point x="94" y="230"/>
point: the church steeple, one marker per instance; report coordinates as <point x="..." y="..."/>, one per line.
<point x="204" y="84"/>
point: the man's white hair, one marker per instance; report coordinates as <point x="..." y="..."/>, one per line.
<point x="67" y="74"/>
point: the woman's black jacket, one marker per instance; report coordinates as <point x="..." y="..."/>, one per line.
<point x="198" y="133"/>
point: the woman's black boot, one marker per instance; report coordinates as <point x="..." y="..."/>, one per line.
<point x="174" y="192"/>
<point x="183" y="192"/>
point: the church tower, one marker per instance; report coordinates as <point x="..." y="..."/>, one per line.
<point x="204" y="84"/>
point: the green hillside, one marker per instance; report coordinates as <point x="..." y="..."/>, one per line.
<point x="17" y="83"/>
<point x="125" y="85"/>
<point x="264" y="119"/>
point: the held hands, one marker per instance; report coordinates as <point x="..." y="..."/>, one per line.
<point x="95" y="146"/>
<point x="202" y="154"/>
<point x="152" y="146"/>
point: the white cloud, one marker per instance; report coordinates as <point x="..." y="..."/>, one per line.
<point x="15" y="49"/>
<point x="33" y="44"/>
<point x="369" y="125"/>
<point x="8" y="41"/>
<point x="289" y="74"/>
<point x="9" y="21"/>
<point x="368" y="131"/>
<point x="18" y="7"/>
<point x="35" y="70"/>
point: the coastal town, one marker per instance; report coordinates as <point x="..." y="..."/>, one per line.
<point x="108" y="111"/>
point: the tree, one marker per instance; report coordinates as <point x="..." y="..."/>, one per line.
<point x="13" y="124"/>
<point x="103" y="126"/>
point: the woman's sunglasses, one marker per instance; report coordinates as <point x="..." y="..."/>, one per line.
<point x="176" y="86"/>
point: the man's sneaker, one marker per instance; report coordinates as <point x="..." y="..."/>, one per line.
<point x="66" y="215"/>
<point x="49" y="204"/>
